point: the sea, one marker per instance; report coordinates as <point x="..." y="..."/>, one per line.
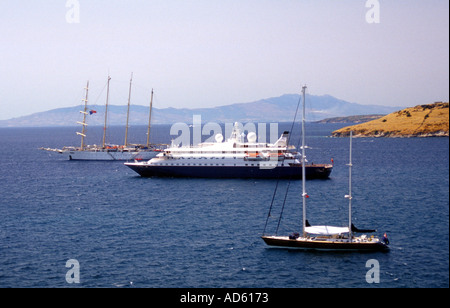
<point x="87" y="224"/>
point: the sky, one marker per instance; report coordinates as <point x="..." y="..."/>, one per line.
<point x="205" y="53"/>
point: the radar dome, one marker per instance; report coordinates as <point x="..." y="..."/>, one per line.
<point x="251" y="137"/>
<point x="219" y="138"/>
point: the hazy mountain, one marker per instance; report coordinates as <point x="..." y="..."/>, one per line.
<point x="276" y="109"/>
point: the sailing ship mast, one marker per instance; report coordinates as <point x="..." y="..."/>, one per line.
<point x="349" y="196"/>
<point x="305" y="195"/>
<point x="83" y="130"/>
<point x="149" y="120"/>
<point x="303" y="163"/>
<point x="106" y="113"/>
<point x="128" y="111"/>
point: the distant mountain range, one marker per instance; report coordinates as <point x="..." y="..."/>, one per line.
<point x="276" y="109"/>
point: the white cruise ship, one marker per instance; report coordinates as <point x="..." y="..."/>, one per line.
<point x="232" y="158"/>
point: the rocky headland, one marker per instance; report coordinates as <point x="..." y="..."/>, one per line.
<point x="431" y="120"/>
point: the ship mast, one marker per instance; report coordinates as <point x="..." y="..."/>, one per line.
<point x="149" y="120"/>
<point x="128" y="111"/>
<point x="106" y="113"/>
<point x="83" y="130"/>
<point x="303" y="163"/>
<point x="349" y="196"/>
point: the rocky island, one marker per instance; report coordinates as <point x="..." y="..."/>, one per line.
<point x="430" y="120"/>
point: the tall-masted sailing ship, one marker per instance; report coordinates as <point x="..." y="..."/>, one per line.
<point x="107" y="151"/>
<point x="327" y="237"/>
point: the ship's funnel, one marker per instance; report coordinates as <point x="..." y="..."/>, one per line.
<point x="282" y="142"/>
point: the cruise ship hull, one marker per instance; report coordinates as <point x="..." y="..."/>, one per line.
<point x="285" y="172"/>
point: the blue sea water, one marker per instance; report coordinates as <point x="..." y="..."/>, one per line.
<point x="128" y="231"/>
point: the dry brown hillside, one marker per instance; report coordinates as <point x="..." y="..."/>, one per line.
<point x="420" y="121"/>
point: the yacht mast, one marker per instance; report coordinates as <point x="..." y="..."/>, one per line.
<point x="83" y="130"/>
<point x="349" y="196"/>
<point x="303" y="163"/>
<point x="149" y="120"/>
<point x="128" y="111"/>
<point x="106" y="113"/>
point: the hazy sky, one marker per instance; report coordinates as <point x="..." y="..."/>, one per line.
<point x="201" y="53"/>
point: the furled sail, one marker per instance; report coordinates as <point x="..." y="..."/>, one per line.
<point x="326" y="230"/>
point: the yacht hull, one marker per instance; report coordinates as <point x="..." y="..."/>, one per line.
<point x="300" y="243"/>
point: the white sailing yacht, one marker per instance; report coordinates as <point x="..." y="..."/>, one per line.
<point x="109" y="151"/>
<point x="327" y="237"/>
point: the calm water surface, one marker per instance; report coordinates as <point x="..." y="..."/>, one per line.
<point x="128" y="231"/>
